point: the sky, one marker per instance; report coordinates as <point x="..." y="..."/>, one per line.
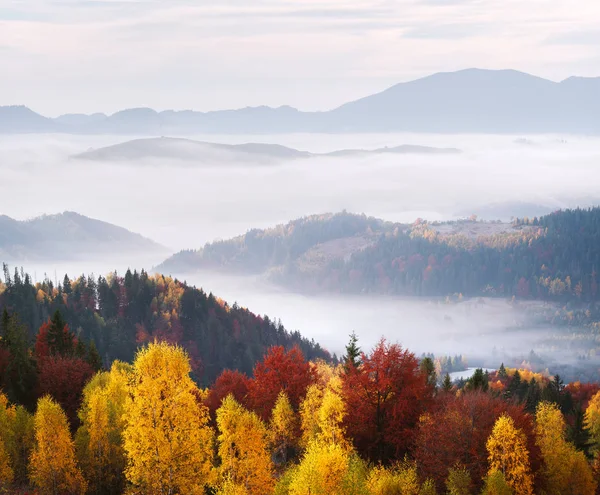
<point x="62" y="56"/>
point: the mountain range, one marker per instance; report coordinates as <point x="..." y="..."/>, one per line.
<point x="68" y="236"/>
<point x="197" y="151"/>
<point x="470" y="100"/>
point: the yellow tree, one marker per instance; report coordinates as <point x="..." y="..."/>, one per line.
<point x="52" y="468"/>
<point x="459" y="481"/>
<point x="243" y="449"/>
<point x="495" y="484"/>
<point x="282" y="427"/>
<point x="592" y="423"/>
<point x="309" y="414"/>
<point x="322" y="471"/>
<point x="6" y="438"/>
<point x="401" y="480"/>
<point x="507" y="453"/>
<point x="166" y="436"/>
<point x="22" y="443"/>
<point x="563" y="471"/>
<point x="331" y="414"/>
<point x="99" y="438"/>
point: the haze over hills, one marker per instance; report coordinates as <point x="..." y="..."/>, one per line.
<point x="553" y="257"/>
<point x="68" y="236"/>
<point x="189" y="150"/>
<point x="471" y="100"/>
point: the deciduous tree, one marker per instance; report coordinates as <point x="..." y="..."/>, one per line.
<point x="507" y="448"/>
<point x="243" y="449"/>
<point x="167" y="439"/>
<point x="279" y="370"/>
<point x="386" y="395"/>
<point x="52" y="468"/>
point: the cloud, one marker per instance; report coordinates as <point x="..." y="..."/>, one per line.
<point x="586" y="37"/>
<point x="110" y="52"/>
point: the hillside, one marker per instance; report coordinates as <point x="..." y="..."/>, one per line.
<point x="554" y="257"/>
<point x="311" y="241"/>
<point x="215" y="153"/>
<point x="67" y="236"/>
<point x="121" y="313"/>
<point x="471" y="100"/>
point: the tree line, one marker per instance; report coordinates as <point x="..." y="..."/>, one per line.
<point x="116" y="314"/>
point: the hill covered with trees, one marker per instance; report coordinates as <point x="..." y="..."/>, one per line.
<point x="554" y="257"/>
<point x="66" y="236"/>
<point x="311" y="240"/>
<point x="120" y="313"/>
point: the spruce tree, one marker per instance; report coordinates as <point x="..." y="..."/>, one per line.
<point x="502" y="372"/>
<point x="447" y="383"/>
<point x="352" y="357"/>
<point x="93" y="357"/>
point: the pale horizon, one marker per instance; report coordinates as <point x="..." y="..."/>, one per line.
<point x="76" y="56"/>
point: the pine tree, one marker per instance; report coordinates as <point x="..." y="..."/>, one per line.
<point x="66" y="287"/>
<point x="447" y="383"/>
<point x="353" y="352"/>
<point x="502" y="374"/>
<point x="427" y="368"/>
<point x="60" y="339"/>
<point x="93" y="357"/>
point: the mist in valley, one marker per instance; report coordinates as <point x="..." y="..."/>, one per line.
<point x="183" y="205"/>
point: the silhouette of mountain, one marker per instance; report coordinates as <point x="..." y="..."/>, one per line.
<point x="20" y="119"/>
<point x="67" y="236"/>
<point x="470" y="100"/>
<point x="213" y="153"/>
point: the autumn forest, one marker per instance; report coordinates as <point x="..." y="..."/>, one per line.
<point x="143" y="385"/>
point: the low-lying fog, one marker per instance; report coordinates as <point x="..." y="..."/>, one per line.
<point x="184" y="206"/>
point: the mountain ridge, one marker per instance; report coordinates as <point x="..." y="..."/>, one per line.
<point x="191" y="150"/>
<point x="63" y="236"/>
<point x="469" y="100"/>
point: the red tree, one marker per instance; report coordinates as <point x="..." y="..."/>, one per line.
<point x="64" y="378"/>
<point x="279" y="370"/>
<point x="456" y="431"/>
<point x="228" y="382"/>
<point x="385" y="397"/>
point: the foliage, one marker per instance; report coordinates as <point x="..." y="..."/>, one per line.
<point x="563" y="469"/>
<point x="507" y="448"/>
<point x="53" y="468"/>
<point x="99" y="438"/>
<point x="243" y="449"/>
<point x="282" y="428"/>
<point x="280" y="370"/>
<point x="322" y="470"/>
<point x="459" y="481"/>
<point x="386" y="395"/>
<point x="166" y="437"/>
<point x="495" y="484"/>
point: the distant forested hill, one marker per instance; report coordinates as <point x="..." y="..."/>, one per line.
<point x="313" y="239"/>
<point x="67" y="236"/>
<point x="554" y="257"/>
<point x="120" y="313"/>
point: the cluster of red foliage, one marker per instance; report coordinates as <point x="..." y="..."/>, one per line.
<point x="62" y="376"/>
<point x="279" y="370"/>
<point x="456" y="432"/>
<point x="386" y="396"/>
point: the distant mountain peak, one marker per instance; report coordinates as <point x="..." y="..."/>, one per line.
<point x="467" y="100"/>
